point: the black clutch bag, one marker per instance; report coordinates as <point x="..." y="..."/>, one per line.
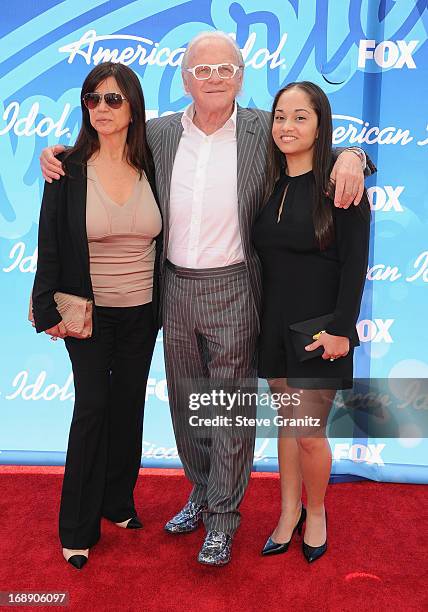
<point x="302" y="334"/>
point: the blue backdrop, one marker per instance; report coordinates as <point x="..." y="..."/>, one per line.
<point x="370" y="56"/>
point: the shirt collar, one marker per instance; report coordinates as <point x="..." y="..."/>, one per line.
<point x="189" y="111"/>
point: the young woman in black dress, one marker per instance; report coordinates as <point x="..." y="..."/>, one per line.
<point x="314" y="259"/>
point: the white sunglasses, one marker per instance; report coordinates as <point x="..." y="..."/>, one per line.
<point x="203" y="72"/>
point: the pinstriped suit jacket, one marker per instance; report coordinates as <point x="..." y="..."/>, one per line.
<point x="252" y="135"/>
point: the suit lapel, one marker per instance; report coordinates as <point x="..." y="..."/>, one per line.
<point x="170" y="141"/>
<point x="77" y="213"/>
<point x="248" y="133"/>
<point x="247" y="137"/>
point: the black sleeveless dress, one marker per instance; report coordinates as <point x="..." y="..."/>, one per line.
<point x="301" y="282"/>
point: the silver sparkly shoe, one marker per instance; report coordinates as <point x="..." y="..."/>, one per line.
<point x="216" y="550"/>
<point x="187" y="520"/>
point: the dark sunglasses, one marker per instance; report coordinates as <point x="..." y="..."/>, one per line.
<point x="114" y="100"/>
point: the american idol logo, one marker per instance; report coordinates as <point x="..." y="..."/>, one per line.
<point x="151" y="450"/>
<point x="354" y="130"/>
<point x="358" y="131"/>
<point x="145" y="51"/>
<point x="19" y="260"/>
<point x="30" y="124"/>
<point x="26" y="389"/>
<point x="386" y="272"/>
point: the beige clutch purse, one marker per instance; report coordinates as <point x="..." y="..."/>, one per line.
<point x="76" y="313"/>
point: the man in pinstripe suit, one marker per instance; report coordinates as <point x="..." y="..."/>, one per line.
<point x="210" y="176"/>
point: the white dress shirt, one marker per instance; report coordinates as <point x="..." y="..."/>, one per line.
<point x="203" y="218"/>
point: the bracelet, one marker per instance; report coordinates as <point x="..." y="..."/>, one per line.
<point x="360" y="154"/>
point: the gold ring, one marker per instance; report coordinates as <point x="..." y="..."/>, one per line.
<point x="317" y="335"/>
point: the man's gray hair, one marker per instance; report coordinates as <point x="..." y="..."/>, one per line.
<point x="216" y="34"/>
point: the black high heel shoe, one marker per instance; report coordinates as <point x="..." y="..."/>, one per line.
<point x="133" y="523"/>
<point x="312" y="553"/>
<point x="275" y="548"/>
<point x="78" y="561"/>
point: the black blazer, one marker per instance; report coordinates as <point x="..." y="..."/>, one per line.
<point x="63" y="253"/>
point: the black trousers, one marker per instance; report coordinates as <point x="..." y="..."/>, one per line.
<point x="104" y="447"/>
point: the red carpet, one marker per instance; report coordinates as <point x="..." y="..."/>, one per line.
<point x="376" y="557"/>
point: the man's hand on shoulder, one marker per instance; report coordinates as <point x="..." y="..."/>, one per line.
<point x="348" y="178"/>
<point x="50" y="165"/>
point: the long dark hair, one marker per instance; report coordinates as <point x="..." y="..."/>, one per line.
<point x="138" y="154"/>
<point x="321" y="163"/>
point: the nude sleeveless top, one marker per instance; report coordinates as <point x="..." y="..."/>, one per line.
<point x="121" y="243"/>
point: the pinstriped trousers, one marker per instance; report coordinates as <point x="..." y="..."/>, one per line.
<point x="210" y="335"/>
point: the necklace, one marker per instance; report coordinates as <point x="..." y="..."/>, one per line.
<point x="281" y="206"/>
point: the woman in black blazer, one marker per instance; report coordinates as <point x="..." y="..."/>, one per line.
<point x="100" y="238"/>
<point x="314" y="260"/>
